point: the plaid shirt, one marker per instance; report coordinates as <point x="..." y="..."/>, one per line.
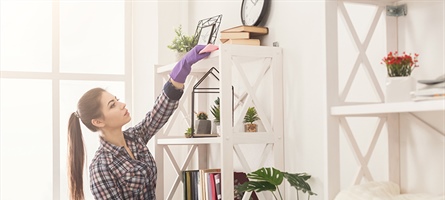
<point x="114" y="174"/>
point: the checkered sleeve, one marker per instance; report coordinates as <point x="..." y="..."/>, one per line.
<point x="165" y="105"/>
<point x="102" y="184"/>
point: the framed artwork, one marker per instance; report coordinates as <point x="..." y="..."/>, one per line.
<point x="207" y="30"/>
<point x="205" y="35"/>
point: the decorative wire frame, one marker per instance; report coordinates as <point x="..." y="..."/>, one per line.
<point x="197" y="89"/>
<point x="214" y="21"/>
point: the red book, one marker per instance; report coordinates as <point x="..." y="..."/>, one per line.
<point x="212" y="186"/>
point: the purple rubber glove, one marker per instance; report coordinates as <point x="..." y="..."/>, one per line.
<point x="184" y="66"/>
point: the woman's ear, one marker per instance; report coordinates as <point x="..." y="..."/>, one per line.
<point x="98" y="123"/>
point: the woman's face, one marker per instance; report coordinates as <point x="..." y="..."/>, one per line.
<point x="115" y="114"/>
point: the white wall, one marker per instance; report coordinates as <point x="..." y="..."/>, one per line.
<point x="423" y="149"/>
<point x="299" y="27"/>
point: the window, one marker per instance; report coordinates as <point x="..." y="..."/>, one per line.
<point x="53" y="52"/>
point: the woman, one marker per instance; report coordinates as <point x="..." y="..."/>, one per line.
<point x="123" y="167"/>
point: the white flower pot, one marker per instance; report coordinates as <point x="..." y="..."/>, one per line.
<point x="398" y="89"/>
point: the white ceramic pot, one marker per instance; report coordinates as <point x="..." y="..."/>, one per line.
<point x="398" y="89"/>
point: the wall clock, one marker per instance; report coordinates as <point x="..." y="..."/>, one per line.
<point x="254" y="12"/>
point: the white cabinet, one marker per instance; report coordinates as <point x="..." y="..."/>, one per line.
<point x="255" y="72"/>
<point x="340" y="110"/>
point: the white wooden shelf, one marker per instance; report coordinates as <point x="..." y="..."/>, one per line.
<point x="234" y="63"/>
<point x="238" y="138"/>
<point x="386" y="114"/>
<point x="385" y="108"/>
<point x="188" y="141"/>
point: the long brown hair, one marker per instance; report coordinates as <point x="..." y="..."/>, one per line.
<point x="88" y="108"/>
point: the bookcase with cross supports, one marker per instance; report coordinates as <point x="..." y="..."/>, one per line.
<point x="346" y="111"/>
<point x="249" y="76"/>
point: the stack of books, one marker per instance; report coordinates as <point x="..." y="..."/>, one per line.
<point x="432" y="89"/>
<point x="246" y="35"/>
<point x="205" y="184"/>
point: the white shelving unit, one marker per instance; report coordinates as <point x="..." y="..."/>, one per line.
<point x="338" y="109"/>
<point x="233" y="63"/>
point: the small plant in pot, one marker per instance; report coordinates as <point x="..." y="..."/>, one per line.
<point x="249" y="119"/>
<point x="182" y="43"/>
<point x="215" y="112"/>
<point x="188" y="132"/>
<point x="203" y="125"/>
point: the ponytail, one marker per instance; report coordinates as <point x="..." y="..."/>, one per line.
<point x="88" y="108"/>
<point x="76" y="158"/>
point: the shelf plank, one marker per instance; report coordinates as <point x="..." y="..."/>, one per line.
<point x="384" y="108"/>
<point x="188" y="141"/>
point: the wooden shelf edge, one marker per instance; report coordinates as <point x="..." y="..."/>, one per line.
<point x="385" y="108"/>
<point x="188" y="141"/>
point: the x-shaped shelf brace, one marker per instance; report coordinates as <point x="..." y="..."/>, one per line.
<point x="248" y="97"/>
<point x="177" y="168"/>
<point x="362" y="160"/>
<point x="362" y="47"/>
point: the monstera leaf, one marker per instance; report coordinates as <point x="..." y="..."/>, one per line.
<point x="298" y="181"/>
<point x="268" y="179"/>
<point x="264" y="179"/>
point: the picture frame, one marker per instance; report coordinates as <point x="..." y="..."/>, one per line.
<point x="205" y="35"/>
<point x="207" y="30"/>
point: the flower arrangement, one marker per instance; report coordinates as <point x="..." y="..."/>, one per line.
<point x="400" y="65"/>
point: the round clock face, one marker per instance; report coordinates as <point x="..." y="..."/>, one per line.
<point x="253" y="11"/>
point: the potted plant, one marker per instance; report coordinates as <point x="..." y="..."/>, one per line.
<point x="188" y="133"/>
<point x="203" y="125"/>
<point x="181" y="44"/>
<point x="215" y="112"/>
<point x="399" y="83"/>
<point x="249" y="119"/>
<point x="269" y="179"/>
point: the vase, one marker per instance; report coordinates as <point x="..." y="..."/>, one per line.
<point x="203" y="126"/>
<point x="216" y="127"/>
<point x="250" y="127"/>
<point x="398" y="89"/>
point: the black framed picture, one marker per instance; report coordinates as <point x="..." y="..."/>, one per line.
<point x="205" y="35"/>
<point x="207" y="30"/>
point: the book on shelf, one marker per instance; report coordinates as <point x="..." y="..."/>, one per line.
<point x="257" y="30"/>
<point x="188" y="186"/>
<point x="239" y="178"/>
<point x="217" y="178"/>
<point x="428" y="94"/>
<point x="254" y="42"/>
<point x="206" y="192"/>
<point x="205" y="184"/>
<point x="234" y="35"/>
<point x="190" y="180"/>
<point x="212" y="187"/>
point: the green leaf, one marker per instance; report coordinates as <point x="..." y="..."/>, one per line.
<point x="298" y="181"/>
<point x="271" y="175"/>
<point x="260" y="186"/>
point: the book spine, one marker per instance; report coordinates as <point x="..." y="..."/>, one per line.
<point x="217" y="177"/>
